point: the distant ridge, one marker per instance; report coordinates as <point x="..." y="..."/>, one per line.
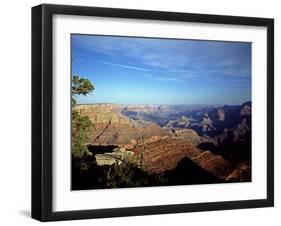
<point x="145" y="104"/>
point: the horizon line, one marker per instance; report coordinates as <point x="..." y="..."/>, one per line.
<point x="99" y="103"/>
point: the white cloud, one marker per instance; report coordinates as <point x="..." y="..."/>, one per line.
<point x="124" y="66"/>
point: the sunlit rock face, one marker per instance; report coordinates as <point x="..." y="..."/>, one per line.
<point x="206" y="124"/>
<point x="246" y="109"/>
<point x="115" y="157"/>
<point x="221" y="114"/>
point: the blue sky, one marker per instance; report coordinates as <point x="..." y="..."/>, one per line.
<point x="128" y="70"/>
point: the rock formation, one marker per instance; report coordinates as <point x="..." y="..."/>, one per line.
<point x="158" y="137"/>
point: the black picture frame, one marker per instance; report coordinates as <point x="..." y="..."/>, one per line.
<point x="42" y="111"/>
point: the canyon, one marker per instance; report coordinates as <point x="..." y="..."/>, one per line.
<point x="181" y="141"/>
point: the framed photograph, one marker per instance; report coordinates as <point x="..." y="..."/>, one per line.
<point x="145" y="112"/>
